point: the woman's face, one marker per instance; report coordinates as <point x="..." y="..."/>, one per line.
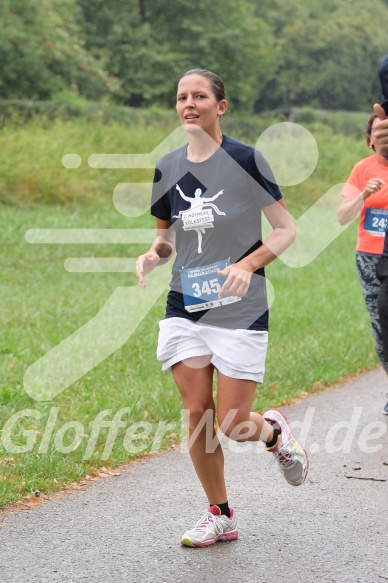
<point x="197" y="105"/>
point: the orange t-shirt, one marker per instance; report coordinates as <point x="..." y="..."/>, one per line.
<point x="374" y="212"/>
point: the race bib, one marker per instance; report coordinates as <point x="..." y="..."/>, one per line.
<point x="201" y="286"/>
<point x="375" y="222"/>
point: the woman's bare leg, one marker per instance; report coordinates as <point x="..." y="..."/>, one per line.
<point x="195" y="383"/>
<point x="236" y="396"/>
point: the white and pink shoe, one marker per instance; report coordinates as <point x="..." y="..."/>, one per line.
<point x="290" y="454"/>
<point x="211" y="528"/>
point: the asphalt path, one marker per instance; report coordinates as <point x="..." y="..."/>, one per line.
<point x="128" y="528"/>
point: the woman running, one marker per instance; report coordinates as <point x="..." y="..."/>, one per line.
<point x="216" y="321"/>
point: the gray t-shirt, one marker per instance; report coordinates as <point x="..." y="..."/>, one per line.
<point x="215" y="208"/>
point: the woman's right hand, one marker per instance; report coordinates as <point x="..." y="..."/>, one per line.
<point x="145" y="264"/>
<point x="373" y="185"/>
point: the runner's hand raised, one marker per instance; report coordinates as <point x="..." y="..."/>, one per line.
<point x="381" y="128"/>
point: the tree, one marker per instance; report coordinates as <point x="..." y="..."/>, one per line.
<point x="149" y="44"/>
<point x="41" y="51"/>
<point x="328" y="55"/>
<point x="270" y="53"/>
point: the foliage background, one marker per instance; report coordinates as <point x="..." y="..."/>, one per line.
<point x="270" y="53"/>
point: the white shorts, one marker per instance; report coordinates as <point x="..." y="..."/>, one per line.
<point x="239" y="354"/>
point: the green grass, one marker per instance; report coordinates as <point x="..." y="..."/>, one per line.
<point x="31" y="155"/>
<point x="319" y="327"/>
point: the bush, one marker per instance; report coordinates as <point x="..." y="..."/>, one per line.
<point x="68" y="105"/>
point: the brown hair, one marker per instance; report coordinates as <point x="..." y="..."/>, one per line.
<point x="216" y="83"/>
<point x="368" y="130"/>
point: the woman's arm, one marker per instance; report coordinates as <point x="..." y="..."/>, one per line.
<point x="282" y="236"/>
<point x="349" y="209"/>
<point x="160" y="252"/>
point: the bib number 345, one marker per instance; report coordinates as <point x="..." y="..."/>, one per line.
<point x="212" y="286"/>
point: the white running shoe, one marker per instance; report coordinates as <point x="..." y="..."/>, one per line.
<point x="211" y="528"/>
<point x="289" y="453"/>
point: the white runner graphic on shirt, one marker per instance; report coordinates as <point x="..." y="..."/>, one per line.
<point x="197" y="218"/>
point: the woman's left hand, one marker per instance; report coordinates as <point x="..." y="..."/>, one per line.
<point x="237" y="282"/>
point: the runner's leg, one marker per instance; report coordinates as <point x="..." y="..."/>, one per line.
<point x="236" y="395"/>
<point x="370" y="287"/>
<point x="195" y="384"/>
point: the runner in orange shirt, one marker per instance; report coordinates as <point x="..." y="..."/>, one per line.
<point x="366" y="194"/>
